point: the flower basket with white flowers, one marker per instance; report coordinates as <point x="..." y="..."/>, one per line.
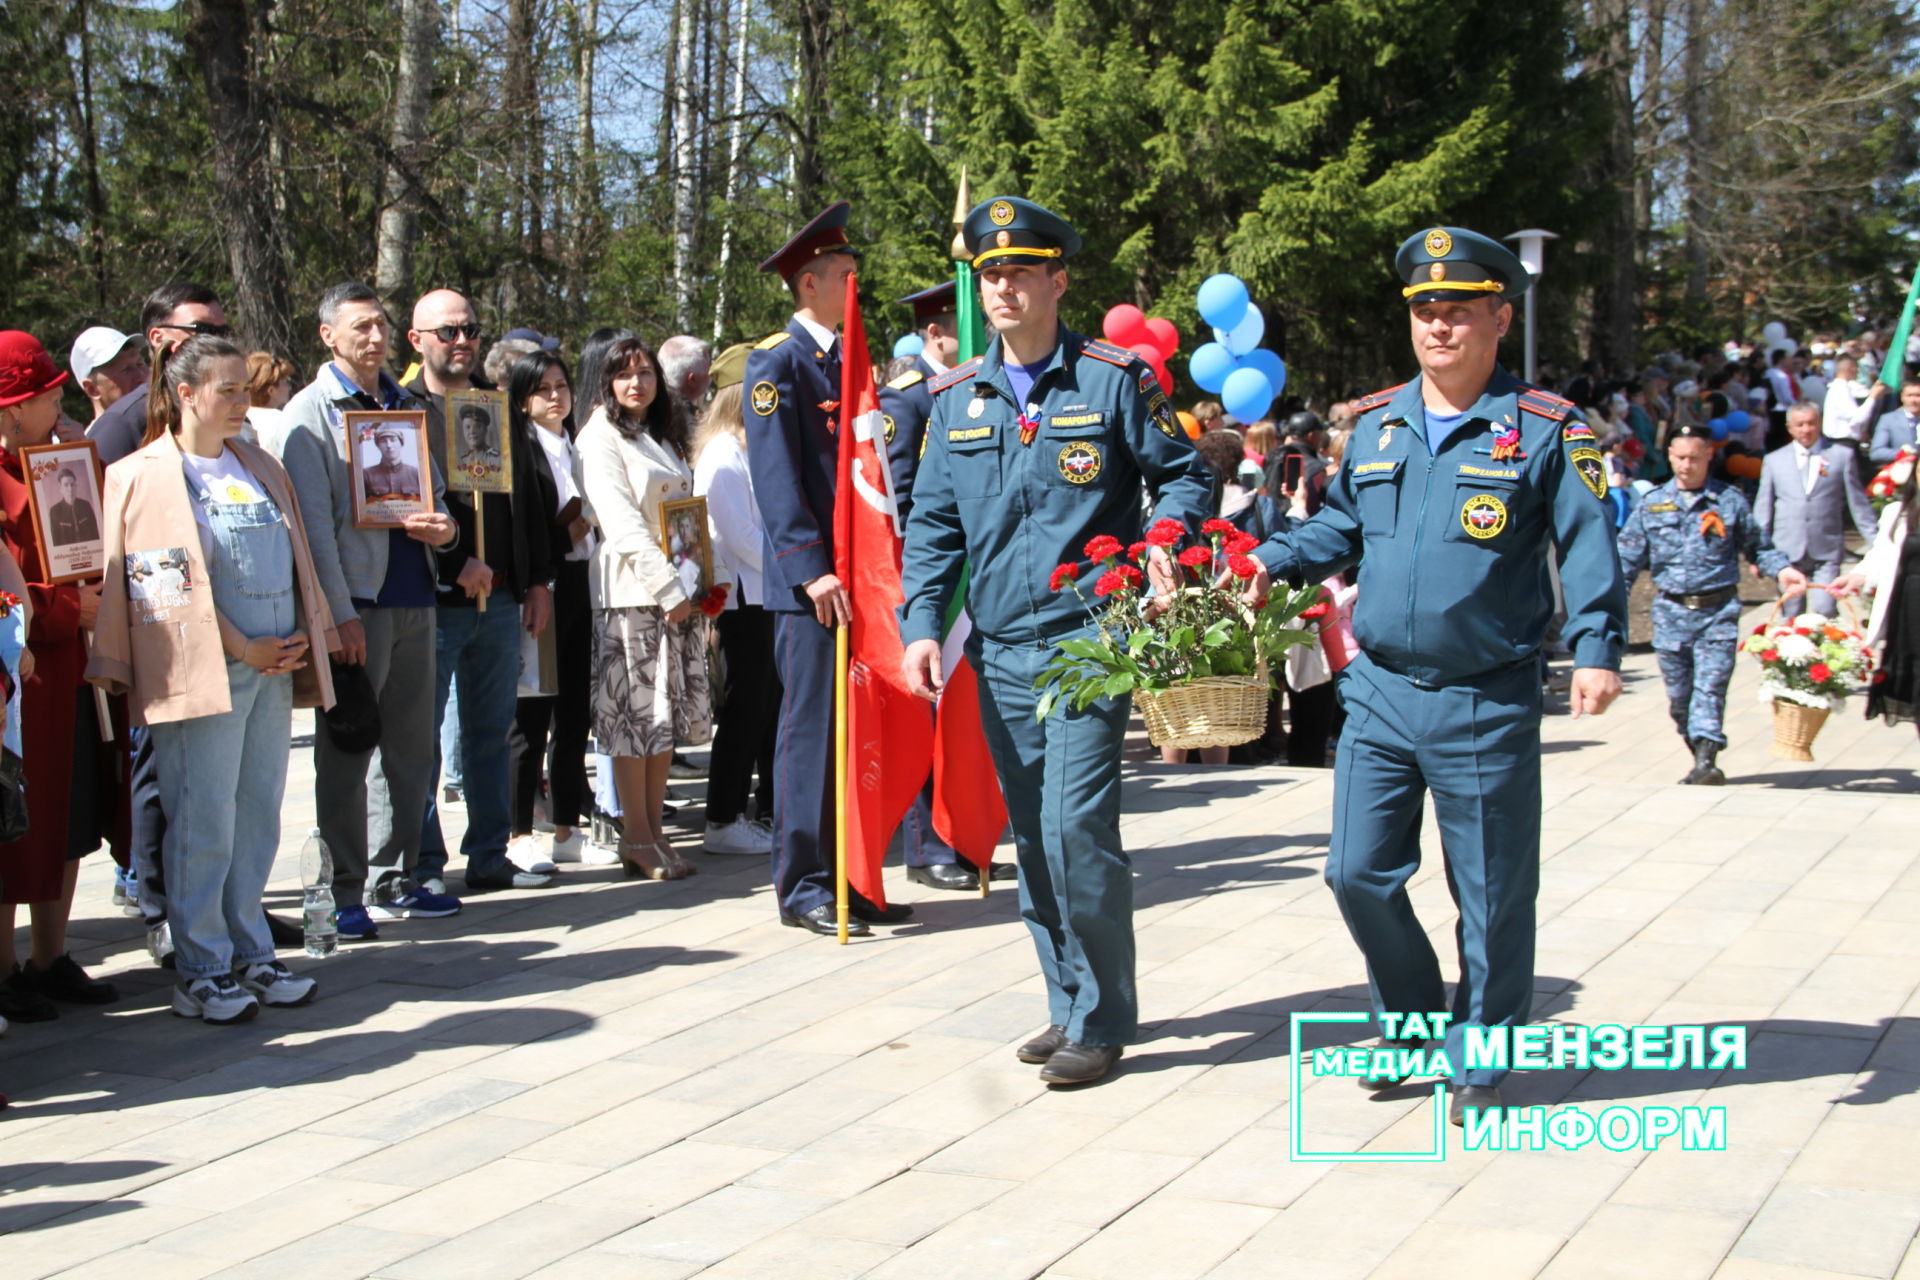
<point x="1808" y="665"/>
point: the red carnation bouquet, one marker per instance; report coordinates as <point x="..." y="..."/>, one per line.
<point x="1207" y="629"/>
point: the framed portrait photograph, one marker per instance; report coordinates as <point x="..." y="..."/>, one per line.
<point x="389" y="465"/>
<point x="63" y="493"/>
<point x="683" y="536"/>
<point x="479" y="446"/>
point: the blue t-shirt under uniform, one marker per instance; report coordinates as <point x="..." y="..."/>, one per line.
<point x="1021" y="376"/>
<point x="1440" y="426"/>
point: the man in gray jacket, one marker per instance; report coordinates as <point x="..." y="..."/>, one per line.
<point x="1807" y="490"/>
<point x="380" y="586"/>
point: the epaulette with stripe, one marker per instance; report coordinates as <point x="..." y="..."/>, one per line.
<point x="1100" y="350"/>
<point x="1366" y="404"/>
<point x="906" y="379"/>
<point x="1545" y="404"/>
<point x="959" y="373"/>
<point x="771" y="341"/>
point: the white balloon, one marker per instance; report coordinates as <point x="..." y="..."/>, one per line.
<point x="1775" y="332"/>
<point x="1246" y="335"/>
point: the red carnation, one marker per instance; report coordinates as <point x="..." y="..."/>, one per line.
<point x="1131" y="576"/>
<point x="1801" y="631"/>
<point x="1242" y="566"/>
<point x="1217" y="525"/>
<point x="1062" y="577"/>
<point x="1103" y="547"/>
<point x="1194" y="557"/>
<point x="1760" y="630"/>
<point x="1166" y="533"/>
<point x="1314" y="612"/>
<point x="1820" y="672"/>
<point x="1769" y="655"/>
<point x="1125" y="578"/>
<point x="1137" y="550"/>
<point x="1239" y="544"/>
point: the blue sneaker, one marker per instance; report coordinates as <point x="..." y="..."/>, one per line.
<point x="355" y="925"/>
<point x="416" y="904"/>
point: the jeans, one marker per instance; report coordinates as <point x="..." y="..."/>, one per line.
<point x="483" y="649"/>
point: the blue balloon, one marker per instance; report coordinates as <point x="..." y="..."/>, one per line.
<point x="1223" y="301"/>
<point x="911" y="344"/>
<point x="1268" y="363"/>
<point x="1739" y="420"/>
<point x="1209" y="367"/>
<point x="1247" y="394"/>
<point x="1246" y="335"/>
<point x="1719" y="428"/>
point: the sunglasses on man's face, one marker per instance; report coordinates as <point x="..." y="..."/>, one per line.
<point x="453" y="332"/>
<point x="201" y="326"/>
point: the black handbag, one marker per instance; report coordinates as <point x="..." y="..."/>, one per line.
<point x="13" y="797"/>
<point x="353" y="721"/>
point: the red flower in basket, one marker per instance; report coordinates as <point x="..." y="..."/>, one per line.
<point x="1820" y="672"/>
<point x="1166" y="533"/>
<point x="1244" y="567"/>
<point x="1124" y="578"/>
<point x="1769" y="655"/>
<point x="1240" y="544"/>
<point x="1195" y="557"/>
<point x="1063" y="577"/>
<point x="1103" y="547"/>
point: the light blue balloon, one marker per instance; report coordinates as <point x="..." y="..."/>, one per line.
<point x="1268" y="363"/>
<point x="911" y="344"/>
<point x="1222" y="300"/>
<point x="1739" y="420"/>
<point x="1247" y="394"/>
<point x="1246" y="335"/>
<point x="1209" y="366"/>
<point x="1719" y="428"/>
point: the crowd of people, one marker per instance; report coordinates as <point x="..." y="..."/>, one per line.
<point x="482" y="645"/>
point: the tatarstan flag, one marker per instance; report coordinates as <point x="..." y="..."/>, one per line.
<point x="889" y="731"/>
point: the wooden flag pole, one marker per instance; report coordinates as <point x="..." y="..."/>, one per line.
<point x="840" y="639"/>
<point x="480" y="542"/>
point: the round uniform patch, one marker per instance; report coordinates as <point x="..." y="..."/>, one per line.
<point x="886" y="421"/>
<point x="1080" y="462"/>
<point x="1000" y="213"/>
<point x="1439" y="243"/>
<point x="1483" y="516"/>
<point x="766" y="398"/>
<point x="1592" y="468"/>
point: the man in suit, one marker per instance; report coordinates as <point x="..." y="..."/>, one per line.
<point x="391" y="477"/>
<point x="1898" y="427"/>
<point x="1807" y="490"/>
<point x="72" y="518"/>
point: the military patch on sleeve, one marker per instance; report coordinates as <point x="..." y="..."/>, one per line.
<point x="907" y="379"/>
<point x="1576" y="431"/>
<point x="1164" y="419"/>
<point x="765" y="398"/>
<point x="1591" y="467"/>
<point x="886" y="422"/>
<point x="771" y="341"/>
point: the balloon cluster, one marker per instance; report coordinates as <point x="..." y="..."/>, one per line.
<point x="1730" y="425"/>
<point x="1153" y="340"/>
<point x="1234" y="366"/>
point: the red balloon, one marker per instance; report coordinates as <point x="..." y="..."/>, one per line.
<point x="1166" y="336"/>
<point x="1126" y="326"/>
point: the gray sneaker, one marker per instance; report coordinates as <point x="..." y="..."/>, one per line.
<point x="219" y="1000"/>
<point x="276" y="984"/>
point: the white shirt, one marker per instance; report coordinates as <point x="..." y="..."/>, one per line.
<point x="822" y="337"/>
<point x="559" y="450"/>
<point x="222" y="479"/>
<point x="733" y="517"/>
<point x="1809" y="463"/>
<point x="1849" y="410"/>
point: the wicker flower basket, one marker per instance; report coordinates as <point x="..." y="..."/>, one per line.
<point x="1212" y="711"/>
<point x="1794" y="729"/>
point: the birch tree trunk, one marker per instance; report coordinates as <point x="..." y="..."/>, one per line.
<point x="736" y="112"/>
<point x="683" y="169"/>
<point x="399" y="229"/>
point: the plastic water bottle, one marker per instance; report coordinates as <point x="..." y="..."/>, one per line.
<point x="316" y="873"/>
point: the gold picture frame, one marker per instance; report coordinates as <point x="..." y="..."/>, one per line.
<point x="63" y="497"/>
<point x="479" y="444"/>
<point x="687" y="544"/>
<point x="388" y="485"/>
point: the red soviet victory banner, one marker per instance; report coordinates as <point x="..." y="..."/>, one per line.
<point x="889" y="731"/>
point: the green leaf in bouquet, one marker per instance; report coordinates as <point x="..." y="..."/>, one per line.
<point x="1140" y="639"/>
<point x="1118" y="683"/>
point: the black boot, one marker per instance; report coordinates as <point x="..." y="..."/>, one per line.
<point x="1705" y="772"/>
<point x="1693" y="774"/>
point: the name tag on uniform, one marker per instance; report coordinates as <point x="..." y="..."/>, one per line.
<point x="1374" y="468"/>
<point x="1077" y="420"/>
<point x="1655" y="508"/>
<point x="1490" y="473"/>
<point x="959" y="435"/>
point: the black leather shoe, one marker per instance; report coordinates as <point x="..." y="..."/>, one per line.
<point x="825" y="921"/>
<point x="285" y="933"/>
<point x="1480" y="1097"/>
<point x="1374" y="1084"/>
<point x="66" y="980"/>
<point x="1080" y="1063"/>
<point x="1004" y="871"/>
<point x="946" y="875"/>
<point x="1042" y="1046"/>
<point x="894" y="913"/>
<point x="511" y="878"/>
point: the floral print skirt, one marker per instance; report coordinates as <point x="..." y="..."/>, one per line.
<point x="649" y="682"/>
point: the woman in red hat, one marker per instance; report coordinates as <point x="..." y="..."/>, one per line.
<point x="68" y="790"/>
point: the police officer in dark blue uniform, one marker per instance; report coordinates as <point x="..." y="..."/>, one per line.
<point x="1453" y="491"/>
<point x="1691" y="532"/>
<point x="792" y="381"/>
<point x="1032" y="450"/>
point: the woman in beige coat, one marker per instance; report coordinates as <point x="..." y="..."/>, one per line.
<point x="209" y="619"/>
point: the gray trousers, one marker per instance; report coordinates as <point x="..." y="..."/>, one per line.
<point x="1817" y="570"/>
<point x="369" y="803"/>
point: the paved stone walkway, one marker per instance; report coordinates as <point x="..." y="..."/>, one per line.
<point x="614" y="1079"/>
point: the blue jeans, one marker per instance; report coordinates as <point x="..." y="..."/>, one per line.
<point x="483" y="650"/>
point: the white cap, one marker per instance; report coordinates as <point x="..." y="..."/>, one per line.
<point x="95" y="347"/>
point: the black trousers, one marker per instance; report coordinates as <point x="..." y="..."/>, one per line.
<point x="744" y="729"/>
<point x="568" y="713"/>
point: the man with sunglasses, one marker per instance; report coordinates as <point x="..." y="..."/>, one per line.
<point x="172" y="313"/>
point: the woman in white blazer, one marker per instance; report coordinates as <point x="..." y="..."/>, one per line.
<point x="649" y="667"/>
<point x="1891" y="574"/>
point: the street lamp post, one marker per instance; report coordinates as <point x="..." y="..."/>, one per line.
<point x="1533" y="243"/>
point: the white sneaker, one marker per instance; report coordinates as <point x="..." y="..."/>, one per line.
<point x="568" y="850"/>
<point x="529" y="854"/>
<point x="219" y="1000"/>
<point x="276" y="984"/>
<point x="738" y="836"/>
<point x="597" y="855"/>
<point x="762" y="825"/>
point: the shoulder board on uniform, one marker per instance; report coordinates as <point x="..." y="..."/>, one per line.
<point x="1368" y="403"/>
<point x="959" y="373"/>
<point x="1111" y="354"/>
<point x="1545" y="404"/>
<point x="771" y="341"/>
<point x="906" y="379"/>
